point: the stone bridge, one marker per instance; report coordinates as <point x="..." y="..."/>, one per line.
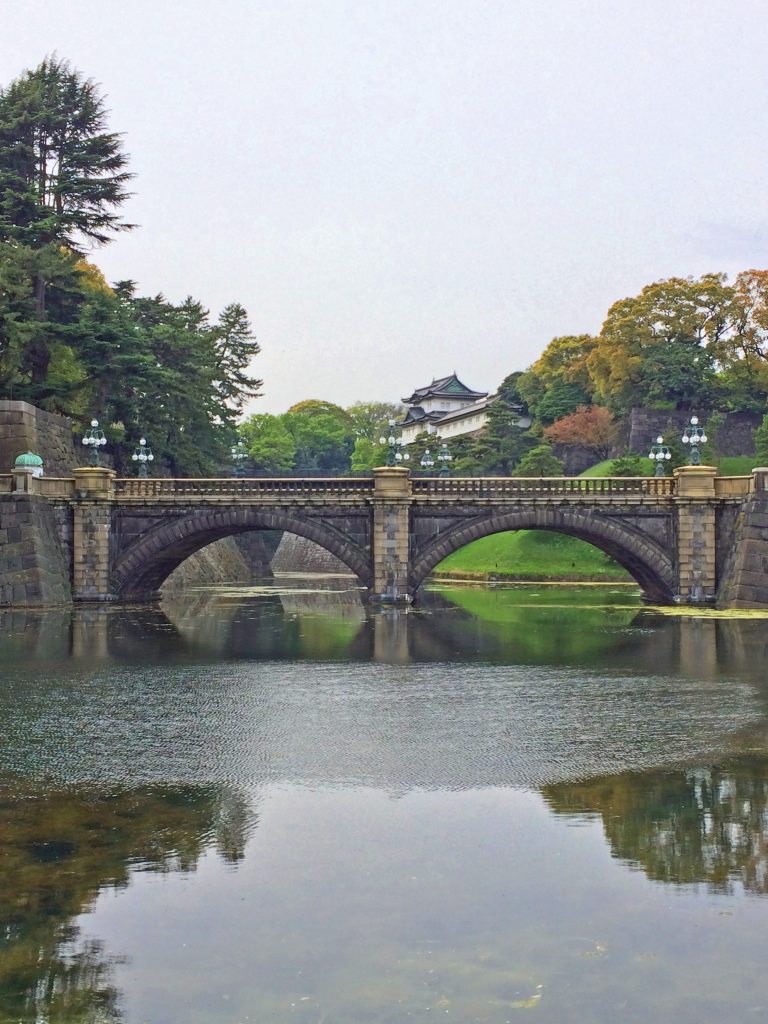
<point x="693" y="538"/>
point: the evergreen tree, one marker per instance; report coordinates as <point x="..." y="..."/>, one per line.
<point x="539" y="461"/>
<point x="62" y="175"/>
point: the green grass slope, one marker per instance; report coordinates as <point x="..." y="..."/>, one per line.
<point x="531" y="555"/>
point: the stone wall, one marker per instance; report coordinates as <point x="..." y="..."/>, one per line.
<point x="744" y="581"/>
<point x="299" y="555"/>
<point x="24" y="428"/>
<point x="733" y="438"/>
<point x="220" y="562"/>
<point x="239" y="559"/>
<point x="33" y="566"/>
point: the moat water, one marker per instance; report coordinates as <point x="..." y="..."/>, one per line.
<point x="273" y="805"/>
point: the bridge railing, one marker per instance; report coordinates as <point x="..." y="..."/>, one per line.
<point x="563" y="486"/>
<point x="726" y="486"/>
<point x="233" y="487"/>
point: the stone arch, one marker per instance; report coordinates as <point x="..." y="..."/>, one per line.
<point x="643" y="558"/>
<point x="140" y="571"/>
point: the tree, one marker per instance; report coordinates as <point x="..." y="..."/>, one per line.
<point x="686" y="313"/>
<point x="236" y="347"/>
<point x="539" y="461"/>
<point x="591" y="427"/>
<point x="367" y="455"/>
<point x="560" y="399"/>
<point x="630" y="464"/>
<point x="371" y="419"/>
<point x="565" y="359"/>
<point x="761" y="443"/>
<point x="676" y="376"/>
<point x="269" y="442"/>
<point x="62" y="175"/>
<point x="322" y="434"/>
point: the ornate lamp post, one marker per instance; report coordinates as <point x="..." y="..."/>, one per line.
<point x="142" y="454"/>
<point x="659" y="452"/>
<point x="238" y="454"/>
<point x="695" y="437"/>
<point x="95" y="439"/>
<point x="394" y="445"/>
<point x="445" y="459"/>
<point x="427" y="462"/>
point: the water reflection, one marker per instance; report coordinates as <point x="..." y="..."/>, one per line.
<point x="59" y="850"/>
<point x="410" y="772"/>
<point x="700" y="825"/>
<point x="577" y="627"/>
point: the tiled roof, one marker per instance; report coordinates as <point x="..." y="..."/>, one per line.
<point x="448" y="387"/>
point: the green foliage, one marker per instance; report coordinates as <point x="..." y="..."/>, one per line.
<point x="269" y="442"/>
<point x="70" y="343"/>
<point x="323" y="439"/>
<point x="371" y="419"/>
<point x="539" y="461"/>
<point x="630" y="464"/>
<point x="367" y="455"/>
<point x="559" y="400"/>
<point x="675" y="376"/>
<point x="62" y="176"/>
<point x="761" y="443"/>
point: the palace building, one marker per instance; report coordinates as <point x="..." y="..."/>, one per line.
<point x="447" y="408"/>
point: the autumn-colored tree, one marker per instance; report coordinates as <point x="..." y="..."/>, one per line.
<point x="591" y="427"/>
<point x="565" y="359"/>
<point x="683" y="312"/>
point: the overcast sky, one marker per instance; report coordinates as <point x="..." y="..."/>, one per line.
<point x="395" y="190"/>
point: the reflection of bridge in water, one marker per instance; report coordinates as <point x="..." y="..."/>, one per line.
<point x="319" y="619"/>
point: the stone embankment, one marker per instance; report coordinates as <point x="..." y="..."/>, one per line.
<point x="24" y="428"/>
<point x="33" y="565"/>
<point x="745" y="575"/>
<point x="297" y="554"/>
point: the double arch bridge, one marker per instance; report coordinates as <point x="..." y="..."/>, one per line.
<point x="125" y="536"/>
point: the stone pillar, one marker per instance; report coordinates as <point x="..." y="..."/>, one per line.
<point x="696" y="534"/>
<point x="22" y="479"/>
<point x="391" y="534"/>
<point x="92" y="526"/>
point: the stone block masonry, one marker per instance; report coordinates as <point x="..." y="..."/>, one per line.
<point x="745" y="578"/>
<point x="24" y="428"/>
<point x="33" y="564"/>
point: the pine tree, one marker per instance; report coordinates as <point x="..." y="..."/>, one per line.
<point x="62" y="175"/>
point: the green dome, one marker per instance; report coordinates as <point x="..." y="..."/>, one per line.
<point x="29" y="459"/>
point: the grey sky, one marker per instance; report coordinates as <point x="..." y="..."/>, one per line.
<point x="395" y="190"/>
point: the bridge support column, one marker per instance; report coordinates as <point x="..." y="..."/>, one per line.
<point x="696" y="534"/>
<point x="92" y="527"/>
<point x="391" y="534"/>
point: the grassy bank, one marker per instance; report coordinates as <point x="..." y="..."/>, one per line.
<point x="530" y="555"/>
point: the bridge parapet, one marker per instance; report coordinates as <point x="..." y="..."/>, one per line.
<point x="238" y="487"/>
<point x="505" y="488"/>
<point x="733" y="486"/>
